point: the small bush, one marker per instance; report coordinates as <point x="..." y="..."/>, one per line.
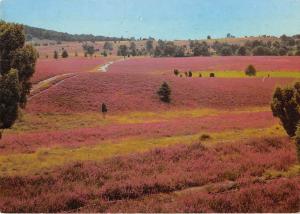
<point x="212" y="75"/>
<point x="164" y="93"/>
<point x="55" y="55"/>
<point x="64" y="54"/>
<point x="250" y="71"/>
<point x="176" y="72"/>
<point x="204" y="137"/>
<point x="104" y="108"/>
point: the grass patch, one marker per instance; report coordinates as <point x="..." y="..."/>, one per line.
<point x="54" y="121"/>
<point x="45" y="159"/>
<point x="58" y="121"/>
<point x="291" y="172"/>
<point x="152" y="117"/>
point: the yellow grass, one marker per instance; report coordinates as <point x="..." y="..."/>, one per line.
<point x="291" y="172"/>
<point x="45" y="159"/>
<point x="56" y="121"/>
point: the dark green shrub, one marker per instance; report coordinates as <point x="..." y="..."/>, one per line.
<point x="204" y="137"/>
<point x="104" y="109"/>
<point x="285" y="106"/>
<point x="55" y="55"/>
<point x="64" y="54"/>
<point x="164" y="93"/>
<point x="176" y="72"/>
<point x="17" y="66"/>
<point x="250" y="71"/>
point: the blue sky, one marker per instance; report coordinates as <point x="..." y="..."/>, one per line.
<point x="166" y="19"/>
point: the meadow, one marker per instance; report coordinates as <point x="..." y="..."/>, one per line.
<point x="215" y="148"/>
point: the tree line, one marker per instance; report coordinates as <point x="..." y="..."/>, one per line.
<point x="34" y="32"/>
<point x="284" y="46"/>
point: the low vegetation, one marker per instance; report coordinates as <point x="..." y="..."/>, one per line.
<point x="162" y="171"/>
<point x="177" y="132"/>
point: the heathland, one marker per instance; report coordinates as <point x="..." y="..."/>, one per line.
<point x="214" y="147"/>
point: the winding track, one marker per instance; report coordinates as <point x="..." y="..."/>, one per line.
<point x="41" y="87"/>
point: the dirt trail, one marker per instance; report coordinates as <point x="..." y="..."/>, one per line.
<point x="104" y="68"/>
<point x="45" y="85"/>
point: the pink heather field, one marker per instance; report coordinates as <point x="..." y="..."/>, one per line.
<point x="215" y="148"/>
<point x="149" y="106"/>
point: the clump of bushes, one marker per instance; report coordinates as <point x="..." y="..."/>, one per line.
<point x="212" y="75"/>
<point x="250" y="71"/>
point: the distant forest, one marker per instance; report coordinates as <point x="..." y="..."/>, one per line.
<point x="39" y="33"/>
<point x="282" y="46"/>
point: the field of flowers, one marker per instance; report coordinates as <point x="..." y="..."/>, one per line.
<point x="124" y="92"/>
<point x="236" y="63"/>
<point x="215" y="148"/>
<point x="191" y="178"/>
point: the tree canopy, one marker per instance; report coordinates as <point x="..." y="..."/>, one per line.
<point x="286" y="106"/>
<point x="17" y="65"/>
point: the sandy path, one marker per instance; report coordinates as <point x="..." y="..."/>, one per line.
<point x="43" y="86"/>
<point x="104" y="68"/>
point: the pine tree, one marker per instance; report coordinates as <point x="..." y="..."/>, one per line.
<point x="250" y="71"/>
<point x="164" y="93"/>
<point x="17" y="65"/>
